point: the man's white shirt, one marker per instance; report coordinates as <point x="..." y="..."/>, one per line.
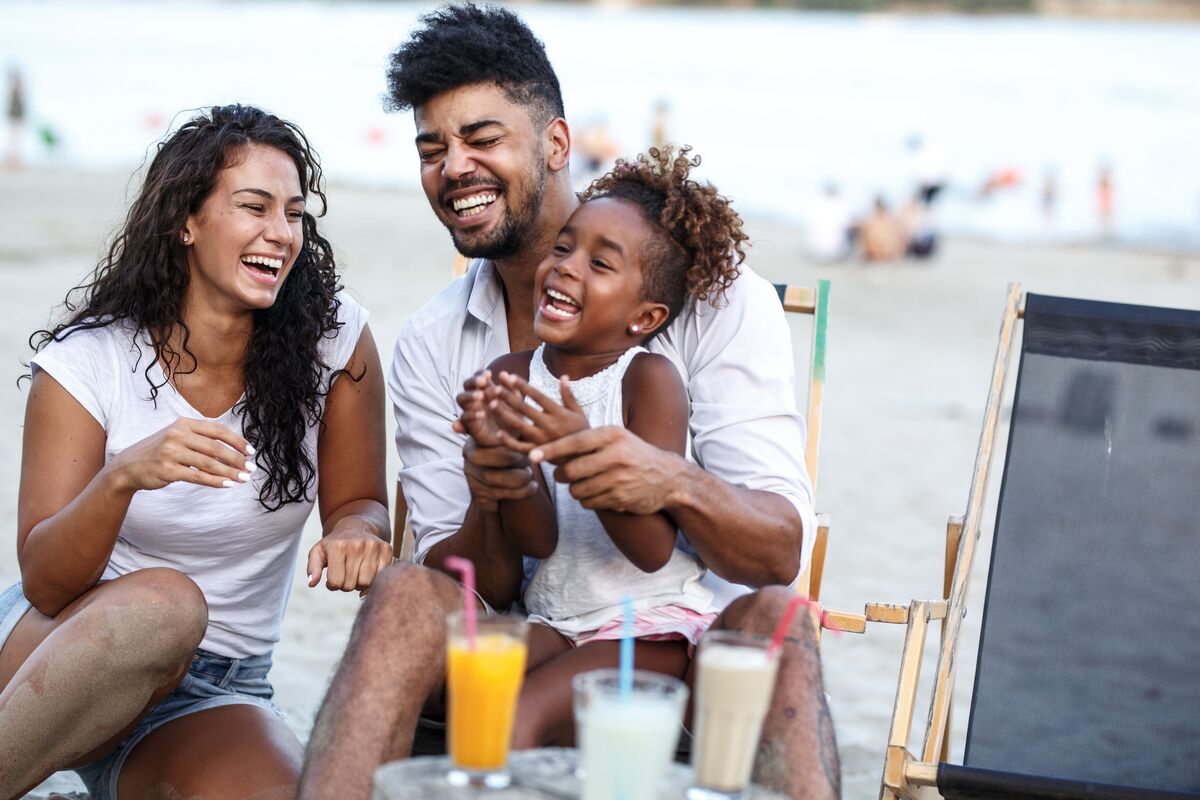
<point x="735" y="359"/>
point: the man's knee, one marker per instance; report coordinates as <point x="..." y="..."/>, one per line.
<point x="759" y="613"/>
<point x="406" y="594"/>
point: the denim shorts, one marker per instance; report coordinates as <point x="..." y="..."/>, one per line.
<point x="212" y="681"/>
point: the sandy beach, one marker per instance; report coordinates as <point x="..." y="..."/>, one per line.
<point x="909" y="358"/>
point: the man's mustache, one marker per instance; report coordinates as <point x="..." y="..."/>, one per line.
<point x="469" y="183"/>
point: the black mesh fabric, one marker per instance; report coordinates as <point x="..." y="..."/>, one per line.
<point x="1089" y="660"/>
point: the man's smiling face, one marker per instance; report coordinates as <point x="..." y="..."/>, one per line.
<point x="483" y="168"/>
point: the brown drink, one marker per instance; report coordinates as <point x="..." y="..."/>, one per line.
<point x="734" y="684"/>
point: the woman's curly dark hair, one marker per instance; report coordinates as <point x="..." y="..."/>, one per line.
<point x="142" y="281"/>
<point x="701" y="248"/>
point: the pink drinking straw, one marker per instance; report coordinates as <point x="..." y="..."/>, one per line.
<point x="466" y="569"/>
<point x="789" y="614"/>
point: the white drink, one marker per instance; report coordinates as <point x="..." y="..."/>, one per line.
<point x="628" y="742"/>
<point x="734" y="684"/>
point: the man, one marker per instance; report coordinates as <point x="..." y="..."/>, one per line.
<point x="494" y="152"/>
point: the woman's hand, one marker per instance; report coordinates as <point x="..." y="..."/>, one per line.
<point x="351" y="555"/>
<point x="522" y="426"/>
<point x="189" y="450"/>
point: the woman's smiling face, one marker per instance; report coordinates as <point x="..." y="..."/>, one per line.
<point x="590" y="285"/>
<point x="246" y="236"/>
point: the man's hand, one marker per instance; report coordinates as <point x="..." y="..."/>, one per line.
<point x="522" y="426"/>
<point x="497" y="473"/>
<point x="611" y="469"/>
<point x="351" y="555"/>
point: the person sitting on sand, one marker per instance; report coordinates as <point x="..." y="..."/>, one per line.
<point x="176" y="425"/>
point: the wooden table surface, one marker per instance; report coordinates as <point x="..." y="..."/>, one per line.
<point x="537" y="775"/>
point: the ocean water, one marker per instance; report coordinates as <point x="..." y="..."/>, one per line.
<point x="778" y="103"/>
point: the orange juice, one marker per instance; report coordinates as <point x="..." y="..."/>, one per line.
<point x="482" y="688"/>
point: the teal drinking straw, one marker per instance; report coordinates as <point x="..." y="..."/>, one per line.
<point x="626" y="664"/>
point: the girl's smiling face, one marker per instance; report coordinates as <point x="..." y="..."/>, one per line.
<point x="590" y="285"/>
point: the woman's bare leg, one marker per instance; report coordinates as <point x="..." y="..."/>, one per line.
<point x="73" y="686"/>
<point x="233" y="752"/>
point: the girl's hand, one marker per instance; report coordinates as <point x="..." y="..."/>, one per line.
<point x="476" y="419"/>
<point x="523" y="427"/>
<point x="189" y="450"/>
<point x="351" y="555"/>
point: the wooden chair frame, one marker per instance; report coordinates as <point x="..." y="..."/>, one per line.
<point x="904" y="774"/>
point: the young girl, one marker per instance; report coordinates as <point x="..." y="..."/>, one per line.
<point x="646" y="240"/>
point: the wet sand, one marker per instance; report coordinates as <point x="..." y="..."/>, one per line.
<point x="909" y="358"/>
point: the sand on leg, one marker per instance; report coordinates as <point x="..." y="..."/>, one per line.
<point x="76" y="684"/>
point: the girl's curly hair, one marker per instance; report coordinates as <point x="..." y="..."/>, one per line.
<point x="701" y="248"/>
<point x="142" y="280"/>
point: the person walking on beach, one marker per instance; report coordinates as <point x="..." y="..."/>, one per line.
<point x="16" y="118"/>
<point x="175" y="429"/>
<point x="494" y="151"/>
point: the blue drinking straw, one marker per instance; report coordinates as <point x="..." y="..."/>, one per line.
<point x="626" y="663"/>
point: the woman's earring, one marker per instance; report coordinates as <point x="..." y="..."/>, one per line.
<point x="633" y="328"/>
<point x="186" y="238"/>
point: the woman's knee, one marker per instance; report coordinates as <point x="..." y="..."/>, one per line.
<point x="157" y="614"/>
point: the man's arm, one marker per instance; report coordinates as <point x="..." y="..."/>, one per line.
<point x="446" y="519"/>
<point x="747" y="508"/>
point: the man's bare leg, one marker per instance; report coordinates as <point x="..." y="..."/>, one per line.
<point x="395" y="660"/>
<point x="798" y="751"/>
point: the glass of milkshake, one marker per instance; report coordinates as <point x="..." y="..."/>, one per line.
<point x="734" y="683"/>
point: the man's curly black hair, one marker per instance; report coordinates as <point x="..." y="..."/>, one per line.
<point x="142" y="280"/>
<point x="464" y="44"/>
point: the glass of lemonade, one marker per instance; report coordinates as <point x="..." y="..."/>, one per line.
<point x="734" y="683"/>
<point x="482" y="685"/>
<point x="628" y="741"/>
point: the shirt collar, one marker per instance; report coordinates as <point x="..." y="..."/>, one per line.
<point x="485" y="297"/>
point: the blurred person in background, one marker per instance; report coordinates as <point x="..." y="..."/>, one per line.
<point x="830" y="227"/>
<point x="16" y="118"/>
<point x="1105" y="200"/>
<point x="881" y="234"/>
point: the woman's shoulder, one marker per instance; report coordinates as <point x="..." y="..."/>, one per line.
<point x="339" y="344"/>
<point x="91" y="340"/>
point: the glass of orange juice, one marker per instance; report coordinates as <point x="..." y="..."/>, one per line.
<point x="483" y="679"/>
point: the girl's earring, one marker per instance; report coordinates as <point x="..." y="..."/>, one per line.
<point x="186" y="238"/>
<point x="633" y="328"/>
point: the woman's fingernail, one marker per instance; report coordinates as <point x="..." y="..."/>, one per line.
<point x="228" y="484"/>
<point x="535" y="456"/>
<point x="250" y="449"/>
<point x="251" y="466"/>
<point x="243" y="476"/>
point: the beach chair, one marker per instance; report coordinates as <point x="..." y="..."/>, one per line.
<point x="811" y="300"/>
<point x="1087" y="681"/>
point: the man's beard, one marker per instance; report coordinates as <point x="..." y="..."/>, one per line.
<point x="514" y="229"/>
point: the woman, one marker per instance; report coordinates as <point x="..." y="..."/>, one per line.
<point x="174" y="431"/>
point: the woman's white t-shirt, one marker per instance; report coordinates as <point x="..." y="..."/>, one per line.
<point x="240" y="554"/>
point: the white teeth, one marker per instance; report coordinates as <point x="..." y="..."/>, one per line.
<point x="270" y="263"/>
<point x="557" y="295"/>
<point x="464" y="203"/>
